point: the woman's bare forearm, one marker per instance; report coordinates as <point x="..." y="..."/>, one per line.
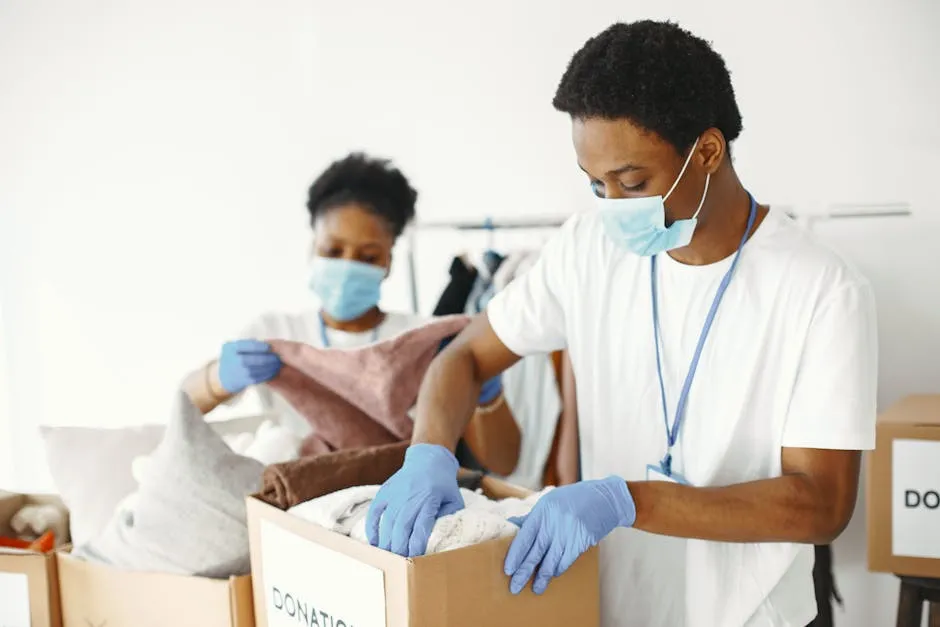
<point x="452" y="384"/>
<point x="494" y="437"/>
<point x="568" y="455"/>
<point x="203" y="388"/>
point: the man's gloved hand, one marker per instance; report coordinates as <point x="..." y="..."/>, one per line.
<point x="246" y="362"/>
<point x="565" y="523"/>
<point x="402" y="514"/>
<point x="490" y="391"/>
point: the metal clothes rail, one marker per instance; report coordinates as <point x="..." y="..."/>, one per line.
<point x="487" y="224"/>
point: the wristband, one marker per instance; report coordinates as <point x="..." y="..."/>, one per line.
<point x="490" y="391"/>
<point x="498" y="402"/>
<point x="209" y="386"/>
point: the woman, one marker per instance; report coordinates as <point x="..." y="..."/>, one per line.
<point x="358" y="208"/>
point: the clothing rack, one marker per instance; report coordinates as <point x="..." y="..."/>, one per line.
<point x="490" y="225"/>
<point x="487" y="224"/>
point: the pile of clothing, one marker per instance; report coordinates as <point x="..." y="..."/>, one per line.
<point x="482" y="519"/>
<point x="188" y="514"/>
<point x="317" y="489"/>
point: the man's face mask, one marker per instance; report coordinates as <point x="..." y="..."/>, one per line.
<point x="639" y="224"/>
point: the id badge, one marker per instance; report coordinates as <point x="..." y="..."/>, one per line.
<point x="654" y="472"/>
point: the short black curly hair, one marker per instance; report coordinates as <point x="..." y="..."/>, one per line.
<point x="373" y="183"/>
<point x="655" y="74"/>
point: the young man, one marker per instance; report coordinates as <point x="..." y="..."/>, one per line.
<point x="726" y="363"/>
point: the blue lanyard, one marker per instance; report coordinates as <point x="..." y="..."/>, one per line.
<point x="672" y="435"/>
<point x="326" y="340"/>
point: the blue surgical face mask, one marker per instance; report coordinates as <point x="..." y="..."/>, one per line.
<point x="639" y="224"/>
<point x="346" y="289"/>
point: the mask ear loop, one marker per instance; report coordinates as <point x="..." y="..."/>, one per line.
<point x="685" y="165"/>
<point x="701" y="203"/>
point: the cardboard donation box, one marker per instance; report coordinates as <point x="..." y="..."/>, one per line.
<point x="96" y="595"/>
<point x="304" y="574"/>
<point x="904" y="489"/>
<point x="29" y="593"/>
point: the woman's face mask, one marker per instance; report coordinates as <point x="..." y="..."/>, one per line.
<point x="639" y="224"/>
<point x="346" y="289"/>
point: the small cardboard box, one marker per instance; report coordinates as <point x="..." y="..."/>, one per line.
<point x="29" y="592"/>
<point x="96" y="595"/>
<point x="304" y="574"/>
<point x="904" y="489"/>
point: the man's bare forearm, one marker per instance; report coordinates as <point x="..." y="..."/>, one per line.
<point x="452" y="385"/>
<point x="447" y="399"/>
<point x="784" y="509"/>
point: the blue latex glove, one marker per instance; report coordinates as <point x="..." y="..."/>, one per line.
<point x="490" y="390"/>
<point x="246" y="362"/>
<point x="402" y="514"/>
<point x="565" y="523"/>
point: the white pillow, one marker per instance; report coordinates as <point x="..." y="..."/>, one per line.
<point x="91" y="468"/>
<point x="273" y="444"/>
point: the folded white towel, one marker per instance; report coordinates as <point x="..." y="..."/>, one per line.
<point x="239" y="442"/>
<point x="270" y="444"/>
<point x="340" y="511"/>
<point x="482" y="519"/>
<point x="273" y="444"/>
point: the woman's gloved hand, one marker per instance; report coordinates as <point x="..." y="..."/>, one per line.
<point x="490" y="391"/>
<point x="402" y="514"/>
<point x="246" y="362"/>
<point x="565" y="523"/>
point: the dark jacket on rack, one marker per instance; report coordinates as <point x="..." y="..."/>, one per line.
<point x="453" y="299"/>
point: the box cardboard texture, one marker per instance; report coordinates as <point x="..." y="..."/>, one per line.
<point x="903" y="490"/>
<point x="460" y="588"/>
<point x="95" y="595"/>
<point x="39" y="571"/>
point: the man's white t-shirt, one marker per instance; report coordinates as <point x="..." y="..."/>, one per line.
<point x="305" y="327"/>
<point x="791" y="361"/>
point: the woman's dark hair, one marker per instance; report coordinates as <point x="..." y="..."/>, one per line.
<point x="373" y="183"/>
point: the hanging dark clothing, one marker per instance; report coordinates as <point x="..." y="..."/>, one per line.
<point x="453" y="299"/>
<point x="825" y="584"/>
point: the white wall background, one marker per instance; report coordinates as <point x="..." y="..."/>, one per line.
<point x="154" y="159"/>
<point x="898" y="256"/>
<point x="154" y="163"/>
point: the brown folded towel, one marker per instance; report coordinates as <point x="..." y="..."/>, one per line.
<point x="360" y="397"/>
<point x="290" y="483"/>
